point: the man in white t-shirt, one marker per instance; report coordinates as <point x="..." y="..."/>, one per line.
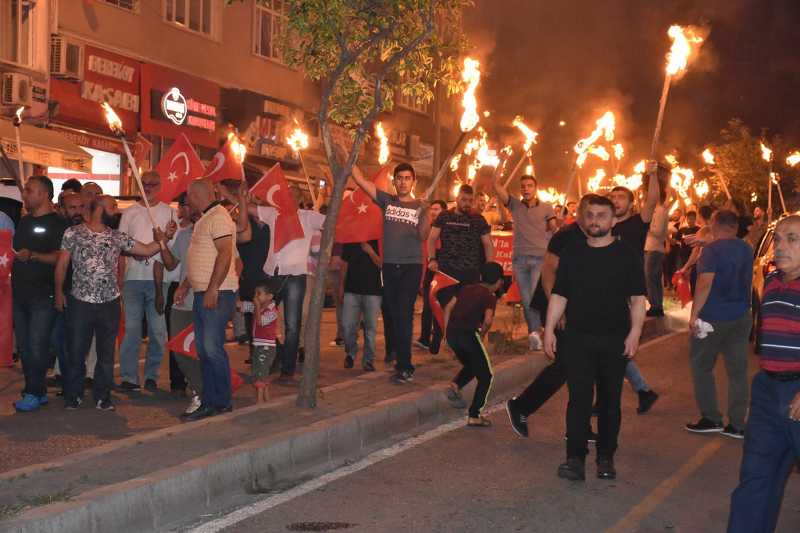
<point x="138" y="292"/>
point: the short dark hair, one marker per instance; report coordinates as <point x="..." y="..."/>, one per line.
<point x="404" y="167"/>
<point x="726" y="218"/>
<point x="466" y="189"/>
<point x="691" y="214"/>
<point x="71" y="184"/>
<point x="594" y="199"/>
<point x="45" y="182"/>
<point x="441" y="203"/>
<point x="266" y="285"/>
<point x="528" y="177"/>
<point x="182" y="199"/>
<point x="491" y="272"/>
<point x="626" y="190"/>
<point x="706" y="211"/>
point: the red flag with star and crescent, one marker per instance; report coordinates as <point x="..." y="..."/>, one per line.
<point x="183" y="343"/>
<point x="440" y="281"/>
<point x="179" y="166"/>
<point x="273" y="189"/>
<point x="226" y="164"/>
<point x="360" y="219"/>
<point x="6" y="333"/>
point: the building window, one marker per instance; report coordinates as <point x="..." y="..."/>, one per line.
<point x="194" y="15"/>
<point x="129" y="5"/>
<point x="270" y="19"/>
<point x="16" y="31"/>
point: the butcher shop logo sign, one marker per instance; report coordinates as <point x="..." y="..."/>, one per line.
<point x="173" y="105"/>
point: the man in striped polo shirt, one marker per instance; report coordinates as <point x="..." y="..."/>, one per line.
<point x="772" y="438"/>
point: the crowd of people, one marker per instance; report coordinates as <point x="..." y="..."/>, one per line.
<point x="588" y="273"/>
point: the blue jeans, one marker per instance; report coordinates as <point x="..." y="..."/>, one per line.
<point x="58" y="341"/>
<point x="654" y="274"/>
<point x="527" y="269"/>
<point x="635" y="378"/>
<point x="85" y="320"/>
<point x="209" y="335"/>
<point x="356" y="307"/>
<point x="138" y="301"/>
<point x="771" y="449"/>
<point x="33" y="322"/>
<point x="292" y="290"/>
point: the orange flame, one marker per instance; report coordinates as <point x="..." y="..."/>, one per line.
<point x="113" y="120"/>
<point x="672" y="160"/>
<point x="701" y="189"/>
<point x="471" y="76"/>
<point x="684" y="42"/>
<point x="551" y="195"/>
<point x="18" y="113"/>
<point x="529" y="169"/>
<point x="775" y="177"/>
<point x="383" y="154"/>
<point x="456" y="186"/>
<point x="530" y="135"/>
<point x="298" y="140"/>
<point x="619" y="151"/>
<point x="605" y="127"/>
<point x="600" y="152"/>
<point x="454" y="162"/>
<point x="239" y="149"/>
<point x="793" y="158"/>
<point x="632" y="182"/>
<point x="766" y="153"/>
<point x="594" y="182"/>
<point x="640" y="167"/>
<point x="708" y="157"/>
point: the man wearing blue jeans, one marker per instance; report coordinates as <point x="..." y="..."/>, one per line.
<point x="534" y="222"/>
<point x="139" y="292"/>
<point x="362" y="289"/>
<point x="212" y="275"/>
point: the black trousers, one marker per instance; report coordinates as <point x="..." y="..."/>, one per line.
<point x="430" y="333"/>
<point x="590" y="360"/>
<point x="471" y="353"/>
<point x="177" y="381"/>
<point x="546" y="384"/>
<point x="400" y="288"/>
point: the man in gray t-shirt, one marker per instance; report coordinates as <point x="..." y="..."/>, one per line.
<point x="405" y="227"/>
<point x="534" y="222"/>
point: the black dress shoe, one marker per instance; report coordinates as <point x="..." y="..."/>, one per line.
<point x="574" y="469"/>
<point x="203" y="412"/>
<point x="605" y="468"/>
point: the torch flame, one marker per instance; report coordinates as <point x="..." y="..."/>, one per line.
<point x="776" y="179"/>
<point x="383" y="154"/>
<point x="708" y="157"/>
<point x="701" y="189"/>
<point x="113" y="120"/>
<point x="471" y="75"/>
<point x="619" y="151"/>
<point x="530" y="135"/>
<point x="640" y="167"/>
<point x="672" y="160"/>
<point x="507" y="150"/>
<point x="600" y="152"/>
<point x="529" y="169"/>
<point x="605" y="127"/>
<point x="19" y="112"/>
<point x="594" y="182"/>
<point x="753" y="197"/>
<point x="552" y="196"/>
<point x="454" y="162"/>
<point x="239" y="149"/>
<point x="456" y="186"/>
<point x="632" y="182"/>
<point x="684" y="41"/>
<point x="298" y="140"/>
<point x="793" y="158"/>
<point x="766" y="153"/>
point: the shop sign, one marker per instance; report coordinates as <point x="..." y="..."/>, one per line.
<point x="173" y="105"/>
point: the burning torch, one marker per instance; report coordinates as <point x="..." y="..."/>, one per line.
<point x="298" y="141"/>
<point x="708" y="157"/>
<point x="17" y="127"/>
<point x="115" y="125"/>
<point x="530" y="140"/>
<point x="766" y="155"/>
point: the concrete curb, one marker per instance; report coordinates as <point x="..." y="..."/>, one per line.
<point x="202" y="485"/>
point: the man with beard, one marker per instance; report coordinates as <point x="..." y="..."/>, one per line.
<point x="93" y="306"/>
<point x="600" y="286"/>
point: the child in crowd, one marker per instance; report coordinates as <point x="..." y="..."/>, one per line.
<point x="265" y="329"/>
<point x="467" y="319"/>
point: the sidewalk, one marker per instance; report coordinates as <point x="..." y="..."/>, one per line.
<point x="141" y="456"/>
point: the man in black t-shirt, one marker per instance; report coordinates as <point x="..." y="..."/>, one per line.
<point x="361" y="270"/>
<point x="600" y="285"/>
<point x="37" y="241"/>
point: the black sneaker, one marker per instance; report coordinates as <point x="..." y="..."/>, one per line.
<point x="646" y="400"/>
<point x="519" y="422"/>
<point x="336" y="342"/>
<point x="401" y="378"/>
<point x="348" y="362"/>
<point x="368" y="367"/>
<point x="72" y="404"/>
<point x="127" y="386"/>
<point x="203" y="412"/>
<point x="605" y="468"/>
<point x="455" y="398"/>
<point x="704" y="425"/>
<point x="574" y="469"/>
<point x="151" y="385"/>
<point x="733" y="432"/>
<point x="105" y="405"/>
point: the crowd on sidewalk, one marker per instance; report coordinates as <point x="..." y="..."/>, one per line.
<point x="586" y="275"/>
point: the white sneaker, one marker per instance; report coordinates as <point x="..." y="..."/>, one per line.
<point x="194" y="405"/>
<point x="535" y="342"/>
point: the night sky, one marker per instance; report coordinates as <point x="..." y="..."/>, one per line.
<point x="571" y="60"/>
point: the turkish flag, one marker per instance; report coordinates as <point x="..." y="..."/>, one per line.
<point x="141" y="151"/>
<point x="360" y="219"/>
<point x="179" y="166"/>
<point x="225" y="165"/>
<point x="273" y="189"/>
<point x="440" y="281"/>
<point x="183" y="343"/>
<point x="6" y="332"/>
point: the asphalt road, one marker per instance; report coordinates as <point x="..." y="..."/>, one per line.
<point x="490" y="480"/>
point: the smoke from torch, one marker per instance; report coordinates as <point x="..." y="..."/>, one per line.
<point x="383" y="154"/>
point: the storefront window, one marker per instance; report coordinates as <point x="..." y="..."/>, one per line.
<point x="105" y="172"/>
<point x="16" y="31"/>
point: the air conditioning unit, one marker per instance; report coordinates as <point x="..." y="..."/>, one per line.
<point x="16" y="89"/>
<point x="66" y="58"/>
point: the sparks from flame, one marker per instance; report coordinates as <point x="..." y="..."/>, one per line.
<point x="708" y="157"/>
<point x="684" y="42"/>
<point x="113" y="120"/>
<point x="594" y="182"/>
<point x="793" y="158"/>
<point x="238" y="148"/>
<point x="619" y="151"/>
<point x="471" y="76"/>
<point x="766" y="153"/>
<point x="383" y="154"/>
<point x="530" y="135"/>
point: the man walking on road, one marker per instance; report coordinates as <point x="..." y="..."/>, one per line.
<point x="772" y="438"/>
<point x="600" y="286"/>
<point x="533" y="222"/>
<point x="720" y="323"/>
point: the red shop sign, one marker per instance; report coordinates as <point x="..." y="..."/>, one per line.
<point x="503" y="242"/>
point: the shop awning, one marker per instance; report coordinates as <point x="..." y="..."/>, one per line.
<point x="44" y="147"/>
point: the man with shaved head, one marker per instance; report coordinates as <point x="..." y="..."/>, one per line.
<point x="213" y="279"/>
<point x="772" y="437"/>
